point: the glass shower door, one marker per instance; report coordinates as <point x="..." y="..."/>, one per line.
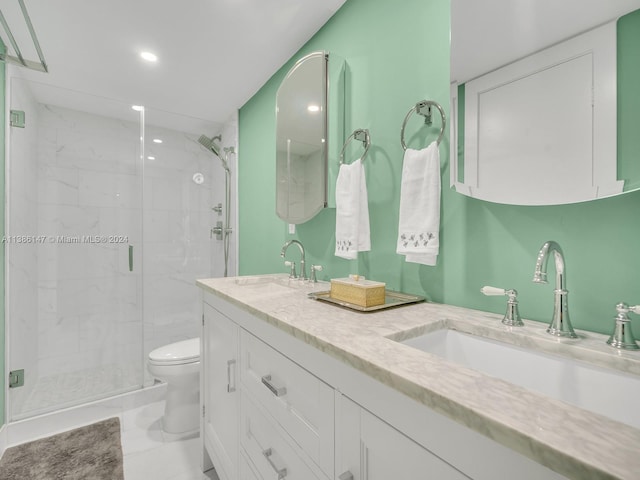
<point x="74" y="249"/>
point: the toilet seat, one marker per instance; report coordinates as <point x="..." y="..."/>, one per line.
<point x="178" y="353"/>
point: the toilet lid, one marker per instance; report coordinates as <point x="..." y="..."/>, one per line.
<point x="184" y="351"/>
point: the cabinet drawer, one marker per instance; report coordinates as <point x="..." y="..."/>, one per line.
<point x="299" y="402"/>
<point x="267" y="450"/>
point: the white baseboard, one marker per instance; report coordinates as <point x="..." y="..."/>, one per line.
<point x="21" y="431"/>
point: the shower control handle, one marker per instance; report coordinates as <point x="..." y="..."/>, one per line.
<point x="217" y="230"/>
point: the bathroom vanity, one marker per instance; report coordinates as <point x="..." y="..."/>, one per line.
<point x="299" y="389"/>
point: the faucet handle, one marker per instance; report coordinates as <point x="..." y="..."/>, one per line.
<point x="314" y="269"/>
<point x="292" y="272"/>
<point x="622" y="336"/>
<point x="491" y="291"/>
<point x="512" y="316"/>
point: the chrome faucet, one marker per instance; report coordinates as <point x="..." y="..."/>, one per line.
<point x="560" y="325"/>
<point x="303" y="270"/>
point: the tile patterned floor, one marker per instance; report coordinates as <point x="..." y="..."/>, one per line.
<point x="150" y="454"/>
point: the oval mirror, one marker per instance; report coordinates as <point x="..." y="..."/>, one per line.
<point x="309" y="121"/>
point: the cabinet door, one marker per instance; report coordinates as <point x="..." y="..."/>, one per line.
<point x="371" y="449"/>
<point x="387" y="453"/>
<point x="219" y="372"/>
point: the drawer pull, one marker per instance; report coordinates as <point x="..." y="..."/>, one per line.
<point x="277" y="391"/>
<point x="230" y="389"/>
<point x="346" y="476"/>
<point x="280" y="472"/>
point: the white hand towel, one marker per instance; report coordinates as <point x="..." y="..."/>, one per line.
<point x="419" y="219"/>
<point x="352" y="211"/>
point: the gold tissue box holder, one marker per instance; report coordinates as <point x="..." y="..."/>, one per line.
<point x="358" y="291"/>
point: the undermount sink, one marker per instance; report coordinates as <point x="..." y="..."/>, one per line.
<point x="608" y="392"/>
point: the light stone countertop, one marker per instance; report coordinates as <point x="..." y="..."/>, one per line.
<point x="572" y="441"/>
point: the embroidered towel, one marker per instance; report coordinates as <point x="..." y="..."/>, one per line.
<point x="419" y="219"/>
<point x="352" y="211"/>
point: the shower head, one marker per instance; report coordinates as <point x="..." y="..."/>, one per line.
<point x="209" y="144"/>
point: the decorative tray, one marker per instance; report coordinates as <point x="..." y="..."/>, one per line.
<point x="392" y="299"/>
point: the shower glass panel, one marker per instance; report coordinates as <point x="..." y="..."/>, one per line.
<point x="182" y="180"/>
<point x="74" y="248"/>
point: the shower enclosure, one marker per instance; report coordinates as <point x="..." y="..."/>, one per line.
<point x="109" y="215"/>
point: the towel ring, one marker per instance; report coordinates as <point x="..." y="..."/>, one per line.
<point x="424" y="108"/>
<point x="362" y="135"/>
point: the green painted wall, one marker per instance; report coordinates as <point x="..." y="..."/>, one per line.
<point x="398" y="54"/>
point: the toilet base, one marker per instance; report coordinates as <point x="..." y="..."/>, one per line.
<point x="181" y="411"/>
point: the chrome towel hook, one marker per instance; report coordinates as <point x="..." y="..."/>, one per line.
<point x="362" y="135"/>
<point x="424" y="108"/>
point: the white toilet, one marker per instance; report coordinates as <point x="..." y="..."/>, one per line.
<point x="178" y="364"/>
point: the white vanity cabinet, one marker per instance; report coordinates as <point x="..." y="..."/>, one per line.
<point x="219" y="392"/>
<point x="279" y="408"/>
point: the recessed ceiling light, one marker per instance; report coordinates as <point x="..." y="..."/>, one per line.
<point x="137" y="108"/>
<point x="313" y="108"/>
<point x="149" y="57"/>
<point x="151" y="158"/>
<point x="157" y="140"/>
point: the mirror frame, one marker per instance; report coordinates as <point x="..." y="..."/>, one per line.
<point x="332" y="108"/>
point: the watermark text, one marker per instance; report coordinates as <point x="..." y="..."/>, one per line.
<point x="64" y="239"/>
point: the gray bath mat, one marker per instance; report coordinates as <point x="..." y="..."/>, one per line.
<point x="93" y="452"/>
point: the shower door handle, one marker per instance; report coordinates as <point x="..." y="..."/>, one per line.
<point x="131" y="258"/>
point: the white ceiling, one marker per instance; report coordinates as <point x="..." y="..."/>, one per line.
<point x="488" y="34"/>
<point x="213" y="54"/>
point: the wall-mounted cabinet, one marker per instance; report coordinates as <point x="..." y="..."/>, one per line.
<point x="542" y="130"/>
<point x="309" y="135"/>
